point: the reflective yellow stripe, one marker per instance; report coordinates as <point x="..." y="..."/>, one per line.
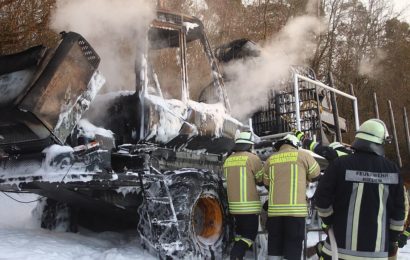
<point x="291" y="184"/>
<point x="288" y="205"/>
<point x="313" y="167"/>
<point x="406" y="233"/>
<point x="241" y="185"/>
<point x="312" y="146"/>
<point x="295" y="196"/>
<point x="259" y="174"/>
<point x="245" y="184"/>
<point x="246" y="240"/>
<point x="356" y="216"/>
<point x="271" y="188"/>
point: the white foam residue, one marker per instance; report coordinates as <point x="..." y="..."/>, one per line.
<point x="50" y="169"/>
<point x="126" y="190"/>
<point x="89" y="130"/>
<point x="1" y="137"/>
<point x="172" y="115"/>
<point x="81" y="104"/>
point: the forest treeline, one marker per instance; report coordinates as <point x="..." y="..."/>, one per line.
<point x="364" y="43"/>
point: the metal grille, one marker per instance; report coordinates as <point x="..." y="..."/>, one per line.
<point x="279" y="115"/>
<point x="89" y="52"/>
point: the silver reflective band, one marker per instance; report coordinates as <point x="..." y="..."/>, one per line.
<point x="372" y="177"/>
<point x="355" y="255"/>
<point x="325" y="212"/>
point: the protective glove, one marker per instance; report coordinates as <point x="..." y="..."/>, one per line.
<point x="402" y="240"/>
<point x="309" y="144"/>
<point x="299" y="135"/>
<point x="393" y="247"/>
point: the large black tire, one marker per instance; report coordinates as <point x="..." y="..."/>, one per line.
<point x="203" y="227"/>
<point x="57" y="216"/>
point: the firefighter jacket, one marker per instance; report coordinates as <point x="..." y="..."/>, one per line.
<point x="361" y="197"/>
<point x="285" y="174"/>
<point x="241" y="171"/>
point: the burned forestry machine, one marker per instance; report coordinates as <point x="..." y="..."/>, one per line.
<point x="148" y="159"/>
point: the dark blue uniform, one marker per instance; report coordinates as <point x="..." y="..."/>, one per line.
<point x="361" y="197"/>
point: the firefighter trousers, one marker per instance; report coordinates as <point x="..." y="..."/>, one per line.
<point x="246" y="229"/>
<point x="285" y="236"/>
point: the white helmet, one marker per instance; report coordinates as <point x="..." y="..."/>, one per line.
<point x="288" y="139"/>
<point x="244" y="138"/>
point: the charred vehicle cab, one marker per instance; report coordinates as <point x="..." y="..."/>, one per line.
<point x="148" y="159"/>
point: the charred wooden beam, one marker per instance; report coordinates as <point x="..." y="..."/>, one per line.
<point x="335" y="110"/>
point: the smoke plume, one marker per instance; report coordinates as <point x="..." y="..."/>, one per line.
<point x="253" y="78"/>
<point x="116" y="30"/>
<point x="371" y="67"/>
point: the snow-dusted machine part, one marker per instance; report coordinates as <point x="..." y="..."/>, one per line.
<point x="149" y="159"/>
<point x="42" y="99"/>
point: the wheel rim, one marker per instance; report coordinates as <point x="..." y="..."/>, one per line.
<point x="207" y="220"/>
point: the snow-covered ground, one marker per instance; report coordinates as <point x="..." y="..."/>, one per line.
<point x="22" y="238"/>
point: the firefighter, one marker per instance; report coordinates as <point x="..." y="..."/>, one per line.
<point x="285" y="174"/>
<point x="330" y="152"/>
<point x="242" y="171"/>
<point x="361" y="198"/>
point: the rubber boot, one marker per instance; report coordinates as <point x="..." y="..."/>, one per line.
<point x="238" y="250"/>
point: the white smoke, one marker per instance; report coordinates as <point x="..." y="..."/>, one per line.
<point x="253" y="78"/>
<point x="371" y="67"/>
<point x="115" y="29"/>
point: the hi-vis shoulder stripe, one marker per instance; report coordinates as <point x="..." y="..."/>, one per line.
<point x="372" y="177"/>
<point x="313" y="167"/>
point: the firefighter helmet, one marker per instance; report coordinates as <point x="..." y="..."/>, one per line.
<point x="288" y="139"/>
<point x="373" y="130"/>
<point x="244" y="138"/>
<point x="371" y="136"/>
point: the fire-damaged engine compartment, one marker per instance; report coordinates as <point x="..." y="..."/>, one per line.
<point x="149" y="158"/>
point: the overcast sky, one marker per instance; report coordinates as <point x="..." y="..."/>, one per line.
<point x="399" y="5"/>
